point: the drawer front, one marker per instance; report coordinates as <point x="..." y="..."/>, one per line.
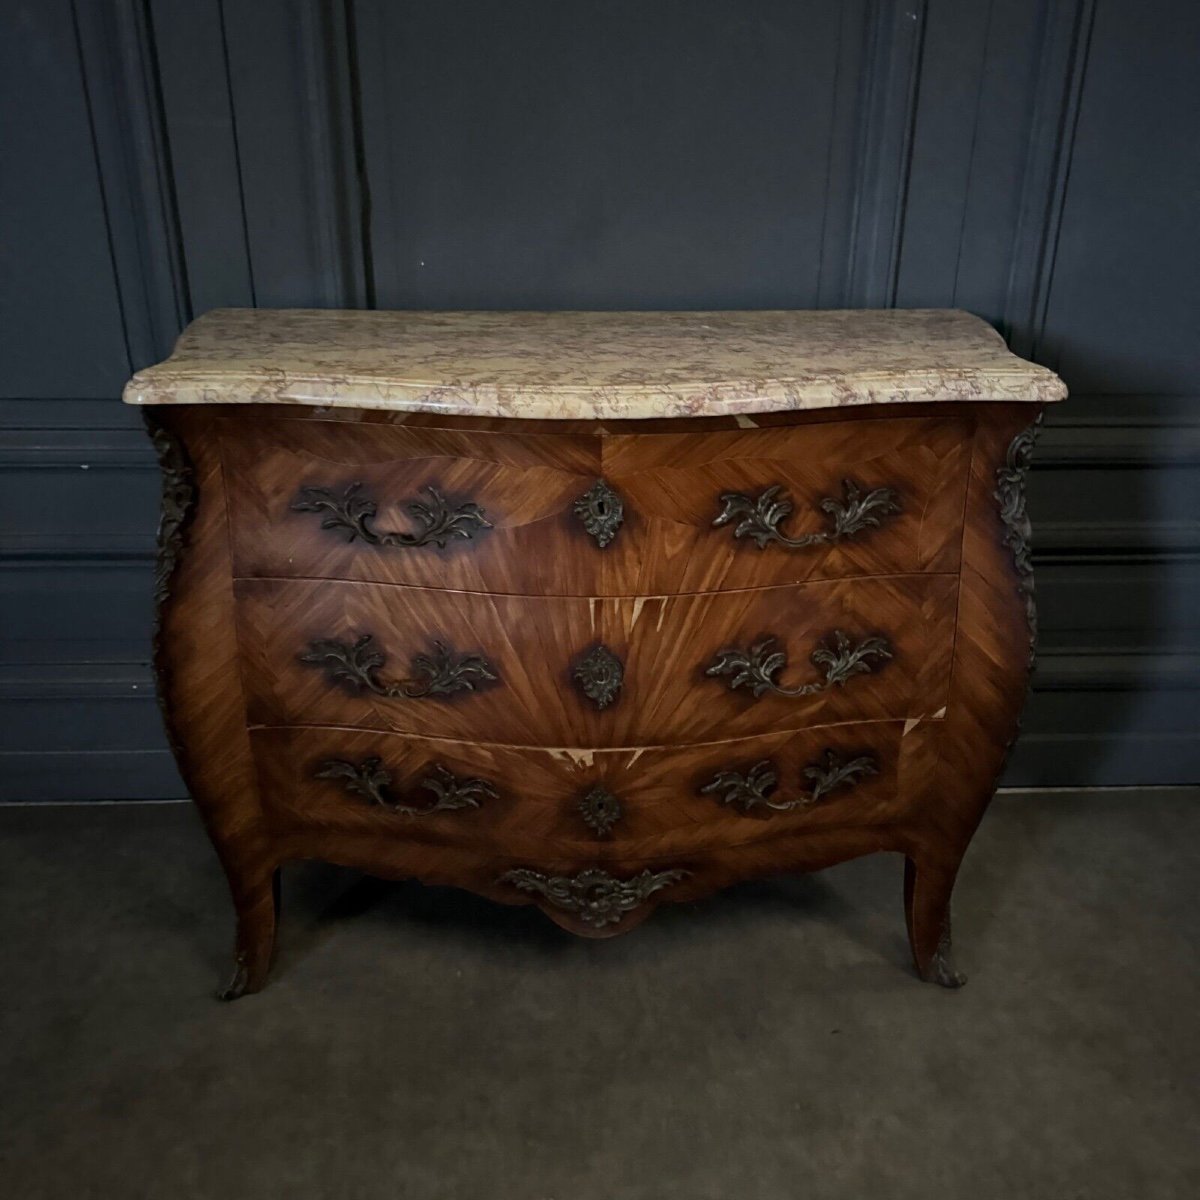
<point x="588" y="806"/>
<point x="572" y="514"/>
<point x="566" y="672"/>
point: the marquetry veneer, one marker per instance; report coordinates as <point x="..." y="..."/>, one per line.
<point x="587" y="627"/>
<point x="299" y="641"/>
<point x="527" y="483"/>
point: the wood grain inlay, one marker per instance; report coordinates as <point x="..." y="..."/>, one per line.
<point x="533" y="644"/>
<point x="527" y="488"/>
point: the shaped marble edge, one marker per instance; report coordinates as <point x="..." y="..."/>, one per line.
<point x="605" y="365"/>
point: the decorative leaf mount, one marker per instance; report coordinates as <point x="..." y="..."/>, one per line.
<point x="356" y="664"/>
<point x="748" y="790"/>
<point x="753" y="788"/>
<point x="177" y="499"/>
<point x="834" y="772"/>
<point x="600" y="810"/>
<point x="177" y="507"/>
<point x="1018" y="530"/>
<point x="443" y="672"/>
<point x="371" y="780"/>
<point x="352" y="513"/>
<point x="759" y="518"/>
<point x="601" y="510"/>
<point x="758" y="667"/>
<point x="594" y="896"/>
<point x="599" y="675"/>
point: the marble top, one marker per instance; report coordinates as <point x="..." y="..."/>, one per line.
<point x="560" y="365"/>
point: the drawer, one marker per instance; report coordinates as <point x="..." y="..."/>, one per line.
<point x="585" y="807"/>
<point x="593" y="515"/>
<point x="608" y="671"/>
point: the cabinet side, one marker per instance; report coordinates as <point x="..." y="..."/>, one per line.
<point x="196" y="655"/>
<point x="997" y="619"/>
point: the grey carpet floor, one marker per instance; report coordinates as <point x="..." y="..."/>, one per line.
<point x="769" y="1043"/>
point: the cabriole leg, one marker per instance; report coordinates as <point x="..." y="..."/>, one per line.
<point x="927" y="912"/>
<point x="257" y="905"/>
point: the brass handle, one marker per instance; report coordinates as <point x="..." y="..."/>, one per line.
<point x="757" y="667"/>
<point x="758" y="519"/>
<point x="753" y="788"/>
<point x="371" y="780"/>
<point x="440" y="673"/>
<point x="352" y="513"/>
<point x="594" y="896"/>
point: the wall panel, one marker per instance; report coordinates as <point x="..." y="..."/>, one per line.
<point x="1124" y="297"/>
<point x="620" y="155"/>
<point x="60" y="316"/>
<point x="1030" y="160"/>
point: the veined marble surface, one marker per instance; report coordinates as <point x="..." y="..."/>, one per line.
<point x="559" y="365"/>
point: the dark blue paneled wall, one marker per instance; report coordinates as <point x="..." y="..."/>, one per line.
<point x="1030" y="160"/>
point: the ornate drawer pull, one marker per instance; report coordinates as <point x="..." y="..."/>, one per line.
<point x="601" y="510"/>
<point x="370" y="779"/>
<point x="594" y="896"/>
<point x="757" y="668"/>
<point x="439" y="674"/>
<point x="759" y="519"/>
<point x="600" y="810"/>
<point x="754" y="787"/>
<point x="352" y="512"/>
<point x="599" y="675"/>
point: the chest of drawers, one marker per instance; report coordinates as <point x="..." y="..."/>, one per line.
<point x="592" y="611"/>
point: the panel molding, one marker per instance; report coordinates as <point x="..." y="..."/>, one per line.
<point x="293" y="109"/>
<point x="77" y="681"/>
<point x="259" y="107"/>
<point x="1096" y="669"/>
<point x="1064" y="40"/>
<point x="888" y="106"/>
<point x="100" y="449"/>
<point x="81" y="776"/>
<point x="121" y="77"/>
<point x="1121" y="431"/>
